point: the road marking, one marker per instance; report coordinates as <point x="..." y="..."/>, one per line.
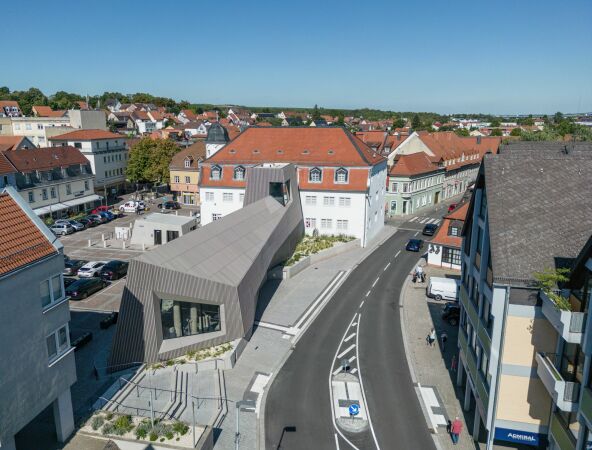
<point x="416" y="234"/>
<point x="273" y="326"/>
<point x="368" y="293"/>
<point x="361" y="303"/>
<point x="352" y="359"/>
<point x="414" y="219"/>
<point x="350" y="336"/>
<point x="336" y="441"/>
<point x="353" y="371"/>
<point x="354" y="324"/>
<point x="398" y="253"/>
<point x="336" y="371"/>
<point x="324" y="295"/>
<point x="375" y="281"/>
<point x="423" y="220"/>
<point x="386" y="267"/>
<point x="437" y="221"/>
<point x="347" y="350"/>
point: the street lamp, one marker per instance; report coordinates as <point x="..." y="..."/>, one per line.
<point x="245" y="405"/>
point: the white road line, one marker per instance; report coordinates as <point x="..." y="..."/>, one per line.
<point x="273" y="326"/>
<point x="423" y="220"/>
<point x="398" y="253"/>
<point x="416" y="234"/>
<point x="350" y="336"/>
<point x="347" y="350"/>
<point x="361" y="304"/>
<point x="362" y="387"/>
<point x="414" y="219"/>
<point x="336" y="441"/>
<point x="321" y="298"/>
<point x="368" y="293"/>
<point x="336" y="371"/>
<point x="431" y="220"/>
<point x="386" y="267"/>
<point x="437" y="221"/>
<point x="354" y="370"/>
<point x="375" y="281"/>
<point x="352" y="359"/>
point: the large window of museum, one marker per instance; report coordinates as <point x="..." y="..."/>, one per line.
<point x="187" y="319"/>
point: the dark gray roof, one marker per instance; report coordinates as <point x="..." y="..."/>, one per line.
<point x="539" y="209"/>
<point x="217" y="134"/>
<point x="535" y="148"/>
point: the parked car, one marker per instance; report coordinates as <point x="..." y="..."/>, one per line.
<point x="88" y="223"/>
<point x="99" y="209"/>
<point x="414" y="245"/>
<point x="81" y="289"/>
<point x="61" y="229"/>
<point x="114" y="270"/>
<point x="107" y="216"/>
<point x="68" y="281"/>
<point x="78" y="226"/>
<point x="451" y="313"/>
<point x="443" y="288"/>
<point x="452" y="207"/>
<point x="429" y="229"/>
<point x="72" y="265"/>
<point x="131" y="206"/>
<point x="91" y="269"/>
<point x="111" y="319"/>
<point x="98" y="218"/>
<point x="169" y="205"/>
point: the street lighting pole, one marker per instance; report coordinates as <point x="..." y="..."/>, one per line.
<point x="242" y="404"/>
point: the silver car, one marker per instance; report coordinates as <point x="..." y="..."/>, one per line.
<point x="61" y="229"/>
<point x="75" y="224"/>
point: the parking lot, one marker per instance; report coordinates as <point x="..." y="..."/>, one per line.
<point x="100" y="244"/>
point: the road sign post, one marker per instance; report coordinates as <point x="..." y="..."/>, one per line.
<point x="354" y="410"/>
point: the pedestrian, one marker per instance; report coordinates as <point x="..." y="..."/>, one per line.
<point x="444" y="338"/>
<point x="432" y="337"/>
<point x="453" y="363"/>
<point x="449" y="426"/>
<point x="137" y="210"/>
<point x="455" y="430"/>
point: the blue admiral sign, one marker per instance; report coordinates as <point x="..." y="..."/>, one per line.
<point x="517" y="436"/>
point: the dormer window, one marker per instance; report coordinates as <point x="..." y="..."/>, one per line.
<point x="341" y="175"/>
<point x="453" y="231"/>
<point x="187" y="163"/>
<point x="315" y="175"/>
<point x="216" y="173"/>
<point x="239" y="173"/>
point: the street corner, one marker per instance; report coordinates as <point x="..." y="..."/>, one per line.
<point x="349" y="408"/>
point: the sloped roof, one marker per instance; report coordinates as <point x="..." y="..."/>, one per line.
<point x="26" y="160"/>
<point x="86" y="135"/>
<point x="196" y="152"/>
<point x="300" y="145"/>
<point x="448" y="145"/>
<point x="46" y="111"/>
<point x="21" y="242"/>
<point x="5" y="165"/>
<point x="460" y="212"/>
<point x="12" y="142"/>
<point x="413" y="164"/>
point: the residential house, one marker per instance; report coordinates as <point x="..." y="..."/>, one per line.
<point x="530" y="212"/>
<point x="292" y="122"/>
<point x="187" y="115"/>
<point x="7" y="171"/>
<point x="39" y="129"/>
<point x="197" y="129"/>
<point x="112" y="104"/>
<point x="15" y="143"/>
<point x="5" y="126"/>
<point x="414" y="182"/>
<point x="46" y="111"/>
<point x="54" y="181"/>
<point x="341" y="181"/>
<point x="107" y="153"/>
<point x="445" y="247"/>
<point x="10" y="108"/>
<point x="239" y="117"/>
<point x="185" y="172"/>
<point x="36" y="358"/>
<point x="122" y="121"/>
<point x="144" y="124"/>
<point x="318" y="123"/>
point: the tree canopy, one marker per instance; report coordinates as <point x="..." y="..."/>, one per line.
<point x="149" y="160"/>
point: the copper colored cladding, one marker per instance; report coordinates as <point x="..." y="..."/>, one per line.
<point x="21" y="242"/>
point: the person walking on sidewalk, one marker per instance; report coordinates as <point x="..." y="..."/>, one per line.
<point x="444" y="338"/>
<point x="453" y="363"/>
<point x="455" y="430"/>
<point x="432" y="337"/>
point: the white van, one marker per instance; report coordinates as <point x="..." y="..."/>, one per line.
<point x="443" y="288"/>
<point x="130" y="206"/>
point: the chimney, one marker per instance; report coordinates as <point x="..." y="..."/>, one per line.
<point x="478" y="140"/>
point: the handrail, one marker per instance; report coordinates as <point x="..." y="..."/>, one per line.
<point x="137" y="408"/>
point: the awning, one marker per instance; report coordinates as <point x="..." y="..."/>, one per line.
<point x="81" y="200"/>
<point x="49" y="209"/>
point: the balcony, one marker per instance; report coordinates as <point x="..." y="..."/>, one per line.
<point x="565" y="394"/>
<point x="570" y="325"/>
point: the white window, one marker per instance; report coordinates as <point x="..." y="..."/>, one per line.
<point x="310" y="222"/>
<point x="342" y="225"/>
<point x="393" y="206"/>
<point x="27" y="126"/>
<point x="315" y="175"/>
<point x="187" y="179"/>
<point x="58" y="343"/>
<point x="17" y="126"/>
<point x="241" y="197"/>
<point x="216" y="173"/>
<point x="227" y="196"/>
<point x="345" y="201"/>
<point x="177" y="179"/>
<point x="341" y="175"/>
<point x="327" y="223"/>
<point x="310" y="200"/>
<point x="44" y="194"/>
<point x="239" y="173"/>
<point x="216" y="216"/>
<point x="187" y="163"/>
<point x="51" y="290"/>
<point x="53" y="191"/>
<point x="394" y="187"/>
<point x="209" y="196"/>
<point x="31" y="197"/>
<point x="328" y="201"/>
<point x="405" y="187"/>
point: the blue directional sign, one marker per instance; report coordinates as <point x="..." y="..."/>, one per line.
<point x="354" y="410"/>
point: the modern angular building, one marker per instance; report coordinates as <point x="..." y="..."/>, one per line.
<point x="521" y="360"/>
<point x="202" y="288"/>
<point x="37" y="365"/>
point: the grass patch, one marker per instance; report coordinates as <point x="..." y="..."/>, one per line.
<point x="309" y="245"/>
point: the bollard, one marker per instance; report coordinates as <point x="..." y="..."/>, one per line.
<point x="176" y="213"/>
<point x="103" y="236"/>
<point x="89" y="243"/>
<point x="104" y="244"/>
<point x="124" y="245"/>
<point x="143" y="247"/>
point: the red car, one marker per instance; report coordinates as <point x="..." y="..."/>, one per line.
<point x="102" y="208"/>
<point x="452" y="207"/>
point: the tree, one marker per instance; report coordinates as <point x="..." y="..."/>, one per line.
<point x="139" y="161"/>
<point x="416" y="122"/>
<point x="495" y="123"/>
<point x="462" y="132"/>
<point x="398" y="122"/>
<point x="340" y="120"/>
<point x="516" y="132"/>
<point x="496" y="132"/>
<point x="316" y="114"/>
<point x="160" y="159"/>
<point x="558" y="117"/>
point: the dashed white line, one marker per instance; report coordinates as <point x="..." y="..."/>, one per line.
<point x="336" y="441"/>
<point x="350" y="336"/>
<point x="361" y="304"/>
<point x="352" y="359"/>
<point x="354" y="370"/>
<point x="375" y="281"/>
<point x="386" y="267"/>
<point x="414" y="219"/>
<point x="336" y="371"/>
<point x="423" y="220"/>
<point x="347" y="350"/>
<point x="416" y="234"/>
<point x="398" y="253"/>
<point x="368" y="293"/>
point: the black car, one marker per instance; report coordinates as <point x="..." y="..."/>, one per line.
<point x="429" y="229"/>
<point x="94" y="221"/>
<point x="82" y="288"/>
<point x="414" y="245"/>
<point x="68" y="281"/>
<point x="169" y="205"/>
<point x="114" y="270"/>
<point x="72" y="265"/>
<point x="88" y="223"/>
<point x="451" y="313"/>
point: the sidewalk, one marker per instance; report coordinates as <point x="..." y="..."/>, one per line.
<point x="435" y="379"/>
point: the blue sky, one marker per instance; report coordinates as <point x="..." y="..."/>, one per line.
<point x="501" y="56"/>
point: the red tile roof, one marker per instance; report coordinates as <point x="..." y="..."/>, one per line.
<point x="12" y="142"/>
<point x="298" y="145"/>
<point x="442" y="237"/>
<point x="4" y="103"/>
<point x="46" y="111"/>
<point x="27" y="160"/>
<point x="21" y="242"/>
<point x="460" y="213"/>
<point x="413" y="164"/>
<point x="5" y="165"/>
<point x="86" y="135"/>
<point x="195" y="152"/>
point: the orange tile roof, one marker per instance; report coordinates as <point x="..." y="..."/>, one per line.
<point x="26" y="160"/>
<point x="5" y="165"/>
<point x="21" y="242"/>
<point x="11" y="141"/>
<point x="460" y="213"/>
<point x="413" y="164"/>
<point x="443" y="238"/>
<point x="306" y="146"/>
<point x="86" y="135"/>
<point x="46" y="111"/>
<point x="4" y="103"/>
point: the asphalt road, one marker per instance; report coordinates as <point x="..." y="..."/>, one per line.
<point x="299" y="396"/>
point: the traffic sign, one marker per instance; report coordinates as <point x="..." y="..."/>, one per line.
<point x="354" y="409"/>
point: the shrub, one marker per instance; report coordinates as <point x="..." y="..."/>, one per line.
<point x="180" y="428"/>
<point x="169" y="435"/>
<point x="170" y="362"/>
<point x="109" y="416"/>
<point x="161" y="439"/>
<point x="153" y="436"/>
<point x="141" y="432"/>
<point x="97" y="422"/>
<point x="123" y="424"/>
<point x="108" y="428"/>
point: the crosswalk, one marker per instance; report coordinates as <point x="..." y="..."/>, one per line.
<point x="425" y="220"/>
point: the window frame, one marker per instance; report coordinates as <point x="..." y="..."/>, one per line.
<point x="339" y="172"/>
<point x="312" y="174"/>
<point x="236" y="171"/>
<point x="60" y="350"/>
<point x="218" y="169"/>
